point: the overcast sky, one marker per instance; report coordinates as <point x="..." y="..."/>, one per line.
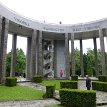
<point x="54" y="11"/>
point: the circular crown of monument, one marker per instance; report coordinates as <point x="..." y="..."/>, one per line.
<point x="49" y="27"/>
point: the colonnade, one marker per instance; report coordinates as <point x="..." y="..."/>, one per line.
<point x="34" y="62"/>
<point x="34" y="58"/>
<point x="103" y="59"/>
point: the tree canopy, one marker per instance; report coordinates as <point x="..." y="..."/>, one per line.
<point x="20" y="61"/>
<point x="88" y="62"/>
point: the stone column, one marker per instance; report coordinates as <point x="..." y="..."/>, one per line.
<point x="3" y="47"/>
<point x="40" y="54"/>
<point x="95" y="57"/>
<point x="0" y="50"/>
<point x="28" y="58"/>
<point x="67" y="70"/>
<point x="55" y="59"/>
<point x="81" y="58"/>
<point x="13" y="56"/>
<point x="33" y="54"/>
<point x="37" y="49"/>
<point x="72" y="54"/>
<point x="102" y="52"/>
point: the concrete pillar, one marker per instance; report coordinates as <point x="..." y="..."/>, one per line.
<point x="81" y="59"/>
<point x="0" y="50"/>
<point x="67" y="70"/>
<point x="102" y="52"/>
<point x="40" y="54"/>
<point x="28" y="58"/>
<point x="37" y="49"/>
<point x="72" y="54"/>
<point x="95" y="57"/>
<point x="33" y="54"/>
<point x="4" y="24"/>
<point x="13" y="56"/>
<point x="55" y="59"/>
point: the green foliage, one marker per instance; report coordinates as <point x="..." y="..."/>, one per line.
<point x="100" y="86"/>
<point x="37" y="79"/>
<point x="74" y="78"/>
<point x="77" y="62"/>
<point x="20" y="61"/>
<point x="50" y="91"/>
<point x="88" y="62"/>
<point x="11" y="81"/>
<point x="52" y="82"/>
<point x="77" y="98"/>
<point x="19" y="93"/>
<point x="69" y="84"/>
<point x="102" y="78"/>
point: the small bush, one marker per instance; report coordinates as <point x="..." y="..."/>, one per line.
<point x="69" y="84"/>
<point x="100" y="86"/>
<point x="37" y="79"/>
<point x="74" y="78"/>
<point x="77" y="98"/>
<point x="50" y="91"/>
<point x="11" y="81"/>
<point x="102" y="78"/>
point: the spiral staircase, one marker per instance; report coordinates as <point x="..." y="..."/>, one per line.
<point x="47" y="57"/>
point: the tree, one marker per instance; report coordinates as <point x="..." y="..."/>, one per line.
<point x="77" y="62"/>
<point x="88" y="62"/>
<point x="20" y="61"/>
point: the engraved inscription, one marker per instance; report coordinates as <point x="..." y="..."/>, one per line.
<point x="21" y="21"/>
<point x="53" y="29"/>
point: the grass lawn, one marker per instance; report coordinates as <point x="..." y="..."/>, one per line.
<point x="56" y="82"/>
<point x="19" y="93"/>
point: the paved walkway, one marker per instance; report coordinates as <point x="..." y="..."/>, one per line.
<point x="101" y="97"/>
<point x="36" y="103"/>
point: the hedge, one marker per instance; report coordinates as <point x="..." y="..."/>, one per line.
<point x="11" y="81"/>
<point x="102" y="78"/>
<point x="100" y="86"/>
<point x="74" y="78"/>
<point x="69" y="84"/>
<point x="37" y="79"/>
<point x="77" y="98"/>
<point x="50" y="91"/>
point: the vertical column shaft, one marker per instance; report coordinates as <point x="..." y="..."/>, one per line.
<point x="40" y="55"/>
<point x="3" y="47"/>
<point x="72" y="54"/>
<point x="13" y="56"/>
<point x="0" y="50"/>
<point x="37" y="49"/>
<point x="55" y="58"/>
<point x="81" y="58"/>
<point x="67" y="70"/>
<point x="33" y="54"/>
<point x="102" y="52"/>
<point x="28" y="58"/>
<point x="95" y="57"/>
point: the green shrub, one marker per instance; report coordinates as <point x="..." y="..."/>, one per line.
<point x="77" y="98"/>
<point x="69" y="84"/>
<point x="37" y="79"/>
<point x="11" y="81"/>
<point x="100" y="86"/>
<point x="74" y="78"/>
<point x="50" y="91"/>
<point x="102" y="78"/>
